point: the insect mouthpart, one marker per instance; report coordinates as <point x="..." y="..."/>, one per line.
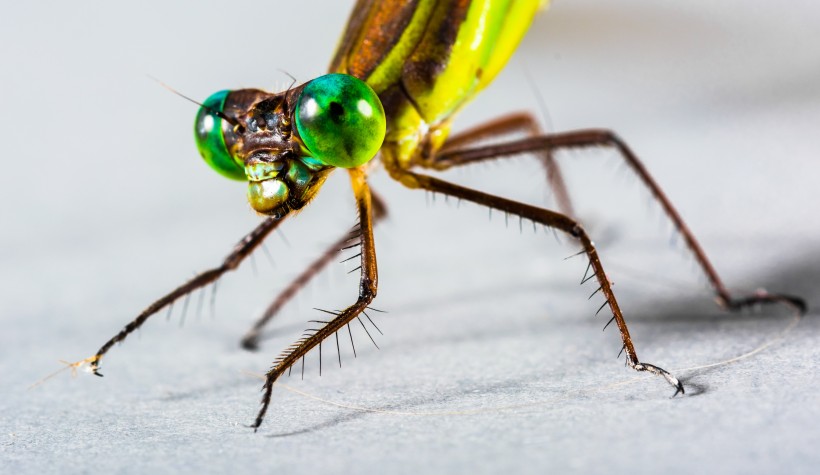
<point x="257" y="169"/>
<point x="267" y="192"/>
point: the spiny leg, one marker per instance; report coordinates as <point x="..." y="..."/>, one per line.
<point x="240" y="251"/>
<point x="607" y="138"/>
<point x="554" y="220"/>
<point x="251" y="339"/>
<point x="520" y="122"/>
<point x="368" y="285"/>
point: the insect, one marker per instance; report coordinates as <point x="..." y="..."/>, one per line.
<point x="400" y="75"/>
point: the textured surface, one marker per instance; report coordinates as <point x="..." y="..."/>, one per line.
<point x="490" y="360"/>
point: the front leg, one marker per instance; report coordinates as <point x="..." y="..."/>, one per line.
<point x="368" y="285"/>
<point x="251" y="339"/>
<point x="242" y="250"/>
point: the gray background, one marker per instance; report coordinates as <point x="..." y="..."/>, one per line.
<point x="490" y="359"/>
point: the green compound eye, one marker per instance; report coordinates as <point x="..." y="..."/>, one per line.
<point x="209" y="131"/>
<point x="340" y="119"/>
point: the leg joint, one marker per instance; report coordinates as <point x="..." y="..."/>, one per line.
<point x="367" y="291"/>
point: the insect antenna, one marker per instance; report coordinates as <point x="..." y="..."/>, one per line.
<point x="291" y="77"/>
<point x="231" y="120"/>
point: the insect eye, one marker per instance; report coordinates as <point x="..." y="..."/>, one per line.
<point x="209" y="131"/>
<point x="340" y="119"/>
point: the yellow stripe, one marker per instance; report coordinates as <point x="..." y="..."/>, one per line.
<point x="389" y="71"/>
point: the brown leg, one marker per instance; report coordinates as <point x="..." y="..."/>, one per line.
<point x="368" y="285"/>
<point x="606" y="138"/>
<point x="251" y="339"/>
<point x="554" y="220"/>
<point x="520" y="122"/>
<point x="242" y="249"/>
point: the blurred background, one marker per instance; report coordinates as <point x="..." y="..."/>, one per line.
<point x="491" y="359"/>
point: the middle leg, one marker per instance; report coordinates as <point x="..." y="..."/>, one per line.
<point x="554" y="220"/>
<point x="519" y="122"/>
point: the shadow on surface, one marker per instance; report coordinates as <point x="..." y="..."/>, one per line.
<point x="689" y="315"/>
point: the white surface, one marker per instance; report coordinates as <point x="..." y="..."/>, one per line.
<point x="491" y="360"/>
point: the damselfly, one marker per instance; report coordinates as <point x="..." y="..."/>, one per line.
<point x="402" y="71"/>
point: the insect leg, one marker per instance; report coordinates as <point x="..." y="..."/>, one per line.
<point x="554" y="220"/>
<point x="368" y="285"/>
<point x="605" y="138"/>
<point x="251" y="339"/>
<point x="240" y="251"/>
<point x="519" y="122"/>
